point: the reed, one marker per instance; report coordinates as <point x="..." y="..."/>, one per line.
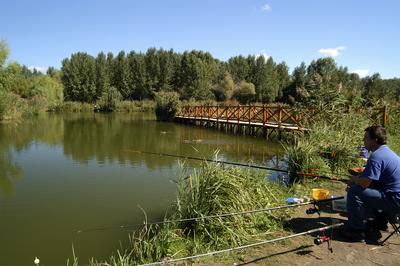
<point x="329" y="146"/>
<point x="73" y="107"/>
<point x="211" y="189"/>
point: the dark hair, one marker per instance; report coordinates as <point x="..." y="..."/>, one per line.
<point x="377" y="133"/>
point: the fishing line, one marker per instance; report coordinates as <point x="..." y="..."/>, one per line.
<point x="245" y="165"/>
<point x="122" y="227"/>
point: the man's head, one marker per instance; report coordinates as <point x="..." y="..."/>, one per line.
<point x="374" y="137"/>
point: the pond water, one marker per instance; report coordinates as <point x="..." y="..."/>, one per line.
<point x="61" y="174"/>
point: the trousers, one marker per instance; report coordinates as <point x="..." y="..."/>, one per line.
<point x="361" y="200"/>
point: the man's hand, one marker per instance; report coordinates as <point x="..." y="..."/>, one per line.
<point x="359" y="180"/>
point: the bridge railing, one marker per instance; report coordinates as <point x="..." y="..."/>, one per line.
<point x="252" y="114"/>
<point x="277" y="115"/>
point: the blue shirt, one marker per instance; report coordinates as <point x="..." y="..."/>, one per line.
<point x="383" y="168"/>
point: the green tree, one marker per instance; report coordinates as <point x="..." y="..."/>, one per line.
<point x="138" y="76"/>
<point x="167" y="105"/>
<point x="239" y="68"/>
<point x="197" y="72"/>
<point x="282" y="72"/>
<point x="102" y="75"/>
<point x="373" y="89"/>
<point x="244" y="92"/>
<point x="78" y="78"/>
<point x="224" y="89"/>
<point x="121" y="76"/>
<point x="296" y="91"/>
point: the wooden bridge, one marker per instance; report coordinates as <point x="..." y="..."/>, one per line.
<point x="254" y="119"/>
<point x="244" y="118"/>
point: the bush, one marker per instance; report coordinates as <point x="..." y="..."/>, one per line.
<point x="109" y="100"/>
<point x="244" y="92"/>
<point x="167" y="105"/>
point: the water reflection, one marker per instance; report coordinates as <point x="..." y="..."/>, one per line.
<point x="10" y="172"/>
<point x="116" y="137"/>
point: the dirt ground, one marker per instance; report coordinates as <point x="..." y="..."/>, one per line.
<point x="302" y="250"/>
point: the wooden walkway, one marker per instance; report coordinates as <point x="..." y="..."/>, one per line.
<point x="244" y="118"/>
<point x="253" y="119"/>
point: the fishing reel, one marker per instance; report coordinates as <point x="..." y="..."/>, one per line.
<point x="313" y="210"/>
<point x="321" y="239"/>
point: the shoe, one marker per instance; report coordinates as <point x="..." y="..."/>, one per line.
<point x="352" y="234"/>
<point x="373" y="236"/>
<point x="378" y="225"/>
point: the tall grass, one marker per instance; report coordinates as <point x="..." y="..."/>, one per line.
<point x="210" y="190"/>
<point x="73" y="107"/>
<point x="13" y="107"/>
<point x="330" y="146"/>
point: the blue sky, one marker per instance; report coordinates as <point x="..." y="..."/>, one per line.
<point x="362" y="35"/>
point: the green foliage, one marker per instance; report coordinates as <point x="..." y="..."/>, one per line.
<point x="108" y="102"/>
<point x="73" y="107"/>
<point x="136" y="106"/>
<point x="209" y="190"/>
<point x="329" y="147"/>
<point x="3" y="103"/>
<point x="78" y="77"/>
<point x="3" y="53"/>
<point x="167" y="105"/>
<point x="244" y="92"/>
<point x="223" y="91"/>
<point x="196" y="74"/>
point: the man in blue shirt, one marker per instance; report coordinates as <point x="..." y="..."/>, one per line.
<point x="377" y="188"/>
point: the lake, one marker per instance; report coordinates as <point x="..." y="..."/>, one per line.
<point x="61" y="174"/>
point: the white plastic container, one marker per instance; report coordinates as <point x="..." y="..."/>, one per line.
<point x="339" y="205"/>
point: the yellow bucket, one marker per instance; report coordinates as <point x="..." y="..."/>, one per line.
<point x="319" y="193"/>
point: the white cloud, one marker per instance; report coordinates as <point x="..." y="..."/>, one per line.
<point x="38" y="68"/>
<point x="266" y="7"/>
<point x="361" y="72"/>
<point x="263" y="52"/>
<point x="331" y="52"/>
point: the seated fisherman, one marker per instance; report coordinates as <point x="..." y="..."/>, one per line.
<point x="377" y="188"/>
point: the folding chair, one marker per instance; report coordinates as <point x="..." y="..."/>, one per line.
<point x="393" y="220"/>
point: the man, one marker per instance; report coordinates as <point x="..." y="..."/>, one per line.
<point x="377" y="188"/>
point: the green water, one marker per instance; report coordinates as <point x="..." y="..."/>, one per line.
<point x="60" y="174"/>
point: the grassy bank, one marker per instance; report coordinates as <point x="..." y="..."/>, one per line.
<point x="121" y="107"/>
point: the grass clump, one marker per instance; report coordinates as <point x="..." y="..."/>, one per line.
<point x="73" y="107"/>
<point x="209" y="190"/>
<point x="329" y="147"/>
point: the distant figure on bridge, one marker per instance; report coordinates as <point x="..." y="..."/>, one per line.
<point x="376" y="189"/>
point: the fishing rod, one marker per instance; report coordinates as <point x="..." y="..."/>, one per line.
<point x="309" y="211"/>
<point x="321" y="229"/>
<point x="243" y="164"/>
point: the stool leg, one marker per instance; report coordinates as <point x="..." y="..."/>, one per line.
<point x="396" y="231"/>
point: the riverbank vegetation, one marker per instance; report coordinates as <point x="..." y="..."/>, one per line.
<point x="211" y="189"/>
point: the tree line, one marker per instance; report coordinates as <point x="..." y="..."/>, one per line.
<point x="198" y="75"/>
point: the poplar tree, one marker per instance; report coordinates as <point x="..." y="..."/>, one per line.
<point x="102" y="77"/>
<point x="121" y="76"/>
<point x="78" y="77"/>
